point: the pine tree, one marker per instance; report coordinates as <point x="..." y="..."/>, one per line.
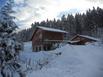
<point x="78" y="24"/>
<point x="9" y="47"/>
<point x="71" y="25"/>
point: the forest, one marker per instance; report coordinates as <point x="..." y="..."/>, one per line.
<point x="89" y="23"/>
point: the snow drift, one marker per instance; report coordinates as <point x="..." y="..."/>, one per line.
<point x="74" y="61"/>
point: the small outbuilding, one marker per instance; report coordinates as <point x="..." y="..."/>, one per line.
<point x="82" y="40"/>
<point x="45" y="38"/>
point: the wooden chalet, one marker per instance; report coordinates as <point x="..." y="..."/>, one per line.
<point x="82" y="40"/>
<point x="45" y="38"/>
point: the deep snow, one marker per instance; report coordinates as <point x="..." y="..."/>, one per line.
<point x="75" y="61"/>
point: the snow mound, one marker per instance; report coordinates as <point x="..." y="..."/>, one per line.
<point x="34" y="60"/>
<point x="74" y="61"/>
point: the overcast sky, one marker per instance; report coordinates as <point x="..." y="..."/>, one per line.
<point x="29" y="11"/>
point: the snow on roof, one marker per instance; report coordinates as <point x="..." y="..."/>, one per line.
<point x="73" y="41"/>
<point x="89" y="37"/>
<point x="51" y="29"/>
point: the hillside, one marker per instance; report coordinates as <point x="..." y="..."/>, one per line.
<point x="74" y="61"/>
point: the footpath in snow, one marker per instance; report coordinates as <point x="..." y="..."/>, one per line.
<point x="74" y="61"/>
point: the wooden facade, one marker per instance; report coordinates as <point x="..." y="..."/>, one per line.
<point x="45" y="38"/>
<point x="82" y="40"/>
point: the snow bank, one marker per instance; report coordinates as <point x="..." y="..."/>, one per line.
<point x="28" y="46"/>
<point x="34" y="60"/>
<point x="74" y="61"/>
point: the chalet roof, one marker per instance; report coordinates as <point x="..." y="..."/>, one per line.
<point x="89" y="37"/>
<point x="86" y="36"/>
<point x="48" y="29"/>
<point x="51" y="29"/>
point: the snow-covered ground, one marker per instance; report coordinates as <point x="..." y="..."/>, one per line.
<point x="74" y="61"/>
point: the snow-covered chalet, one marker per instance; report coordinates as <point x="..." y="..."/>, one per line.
<point x="82" y="40"/>
<point x="45" y="38"/>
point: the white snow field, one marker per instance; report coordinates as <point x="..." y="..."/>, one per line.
<point x="74" y="61"/>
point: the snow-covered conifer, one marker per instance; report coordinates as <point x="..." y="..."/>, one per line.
<point x="9" y="47"/>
